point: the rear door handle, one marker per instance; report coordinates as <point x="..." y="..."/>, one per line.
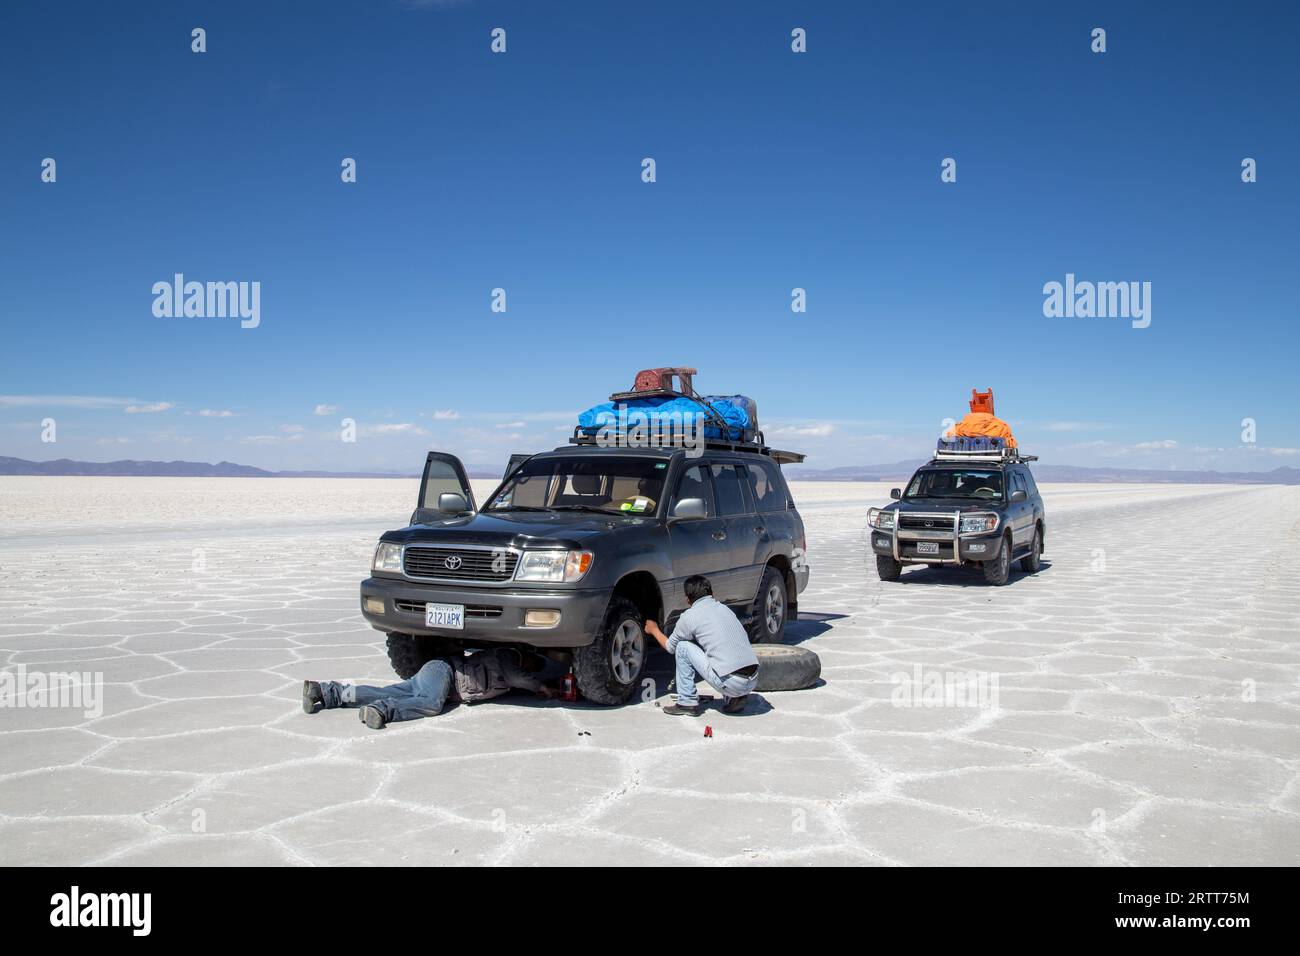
<point x="760" y="529"/>
<point x="719" y="536"/>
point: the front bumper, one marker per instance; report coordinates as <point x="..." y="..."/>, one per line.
<point x="948" y="546"/>
<point x="492" y="615"/>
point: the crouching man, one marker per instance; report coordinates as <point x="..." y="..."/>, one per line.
<point x="479" y="676"/>
<point x="710" y="641"/>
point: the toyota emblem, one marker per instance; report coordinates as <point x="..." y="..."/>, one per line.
<point x="452" y="563"/>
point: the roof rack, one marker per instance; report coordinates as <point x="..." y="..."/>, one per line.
<point x="613" y="438"/>
<point x="979" y="449"/>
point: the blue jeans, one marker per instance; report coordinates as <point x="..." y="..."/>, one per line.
<point x="424" y="695"/>
<point x="692" y="660"/>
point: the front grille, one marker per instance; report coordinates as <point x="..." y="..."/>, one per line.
<point x="471" y="610"/>
<point x="918" y="522"/>
<point x="471" y="564"/>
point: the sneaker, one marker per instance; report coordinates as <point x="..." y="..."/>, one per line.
<point x="372" y="717"/>
<point x="312" y="698"/>
<point x="735" y="705"/>
<point x="677" y="710"/>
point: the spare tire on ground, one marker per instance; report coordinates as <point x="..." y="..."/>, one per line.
<point x="782" y="667"/>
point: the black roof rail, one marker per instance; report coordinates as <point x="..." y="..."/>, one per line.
<point x="986" y="460"/>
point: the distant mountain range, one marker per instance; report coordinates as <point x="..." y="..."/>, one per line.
<point x="901" y="470"/>
<point x="168" y="469"/>
<point x="898" y="471"/>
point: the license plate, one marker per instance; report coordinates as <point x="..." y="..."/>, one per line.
<point x="445" y="615"/>
<point x="927" y="547"/>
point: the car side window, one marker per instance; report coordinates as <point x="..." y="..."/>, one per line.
<point x="726" y="483"/>
<point x="1029" y="481"/>
<point x="442" y="479"/>
<point x="1018" y="482"/>
<point x="766" y="487"/>
<point x="695" y="483"/>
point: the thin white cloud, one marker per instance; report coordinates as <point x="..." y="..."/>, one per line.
<point x="64" y="401"/>
<point x="397" y="428"/>
<point x="1161" y="445"/>
<point x="148" y="409"/>
<point x="1075" y="426"/>
<point x="802" y="431"/>
<point x="216" y="413"/>
<point x="446" y="414"/>
<point x="326" y="409"/>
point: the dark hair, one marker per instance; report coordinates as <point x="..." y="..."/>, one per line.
<point x="696" y="587"/>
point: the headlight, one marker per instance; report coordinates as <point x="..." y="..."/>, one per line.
<point x="388" y="557"/>
<point x="977" y="523"/>
<point x="879" y="518"/>
<point x="553" y="566"/>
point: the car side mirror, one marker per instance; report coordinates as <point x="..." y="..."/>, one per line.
<point x="1018" y="496"/>
<point x="690" y="508"/>
<point x="451" y="501"/>
<point x="896" y="494"/>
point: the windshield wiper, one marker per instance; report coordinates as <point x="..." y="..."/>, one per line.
<point x="582" y="508"/>
<point x="519" y="508"/>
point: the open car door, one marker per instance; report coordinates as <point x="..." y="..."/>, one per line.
<point x="515" y="462"/>
<point x="443" y="483"/>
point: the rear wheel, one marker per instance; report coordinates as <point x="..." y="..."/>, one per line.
<point x="1031" y="562"/>
<point x="609" y="668"/>
<point x="998" y="571"/>
<point x="888" y="568"/>
<point x="767" y="618"/>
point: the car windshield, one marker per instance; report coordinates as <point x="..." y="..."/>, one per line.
<point x="604" y="483"/>
<point x="955" y="483"/>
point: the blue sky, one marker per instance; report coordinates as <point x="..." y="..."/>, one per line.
<point x="522" y="171"/>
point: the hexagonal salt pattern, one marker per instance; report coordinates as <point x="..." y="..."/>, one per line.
<point x="1147" y="711"/>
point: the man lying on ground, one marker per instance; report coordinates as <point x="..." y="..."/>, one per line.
<point x="470" y="679"/>
<point x="708" y="639"/>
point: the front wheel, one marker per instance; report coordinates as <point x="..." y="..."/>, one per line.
<point x="609" y="667"/>
<point x="767" y="618"/>
<point x="998" y="571"/>
<point x="408" y="653"/>
<point x="888" y="568"/>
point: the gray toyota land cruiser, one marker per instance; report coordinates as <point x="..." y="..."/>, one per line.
<point x="579" y="546"/>
<point x="975" y="504"/>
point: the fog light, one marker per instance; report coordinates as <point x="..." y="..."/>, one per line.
<point x="977" y="548"/>
<point x="374" y="605"/>
<point x="541" y="617"/>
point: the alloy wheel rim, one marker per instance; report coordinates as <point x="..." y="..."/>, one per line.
<point x="775" y="609"/>
<point x="626" y="652"/>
